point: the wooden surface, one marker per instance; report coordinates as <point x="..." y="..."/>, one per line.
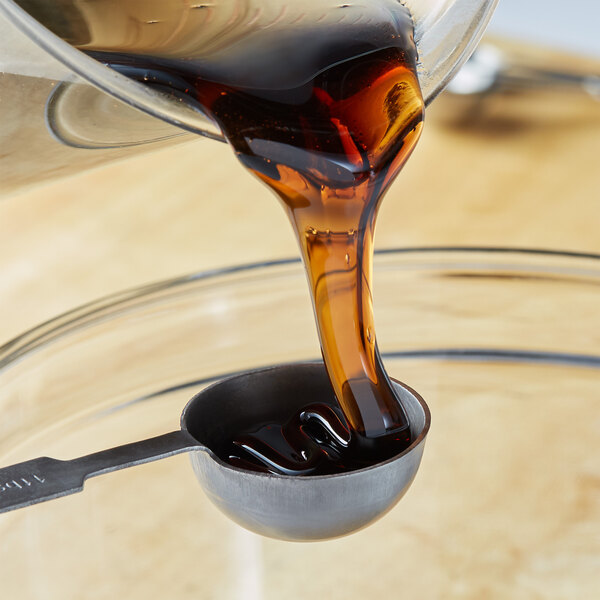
<point x="510" y="169"/>
<point x="517" y="522"/>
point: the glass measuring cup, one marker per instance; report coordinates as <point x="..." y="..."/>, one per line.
<point x="77" y="113"/>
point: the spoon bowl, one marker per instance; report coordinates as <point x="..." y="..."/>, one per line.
<point x="282" y="506"/>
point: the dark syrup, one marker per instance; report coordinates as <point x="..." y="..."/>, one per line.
<point x="326" y="118"/>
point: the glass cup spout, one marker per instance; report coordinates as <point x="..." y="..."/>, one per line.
<point x="75" y="112"/>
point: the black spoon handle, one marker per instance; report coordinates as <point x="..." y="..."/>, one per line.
<point x="45" y="478"/>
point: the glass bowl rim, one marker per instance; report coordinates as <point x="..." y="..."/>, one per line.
<point x="69" y="321"/>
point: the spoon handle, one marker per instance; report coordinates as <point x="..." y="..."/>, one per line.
<point x="45" y="478"/>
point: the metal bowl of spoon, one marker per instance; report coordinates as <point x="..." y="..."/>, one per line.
<point x="281" y="506"/>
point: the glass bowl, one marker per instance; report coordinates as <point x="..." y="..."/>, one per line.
<point x="504" y="345"/>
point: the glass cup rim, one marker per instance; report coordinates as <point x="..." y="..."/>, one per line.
<point x="108" y="80"/>
<point x="433" y="79"/>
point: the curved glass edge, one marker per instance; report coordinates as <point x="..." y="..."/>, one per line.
<point x="446" y="34"/>
<point x="462" y="355"/>
<point x="108" y="80"/>
<point x="476" y="257"/>
<point x="438" y="61"/>
<point x="56" y="126"/>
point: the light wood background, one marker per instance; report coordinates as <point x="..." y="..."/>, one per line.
<point x="509" y="169"/>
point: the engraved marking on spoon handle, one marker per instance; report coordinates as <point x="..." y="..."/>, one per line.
<point x="46" y="478"/>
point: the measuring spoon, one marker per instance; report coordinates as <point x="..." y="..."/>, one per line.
<point x="285" y="507"/>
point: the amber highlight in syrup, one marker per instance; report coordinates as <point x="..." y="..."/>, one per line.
<point x="329" y="146"/>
